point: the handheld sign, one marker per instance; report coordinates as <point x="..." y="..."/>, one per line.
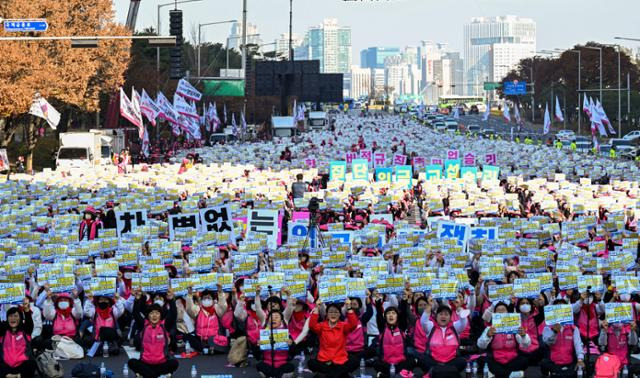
<point x="280" y="338"/>
<point x="618" y="313"/>
<point x="506" y="323"/>
<point x="558" y="314"/>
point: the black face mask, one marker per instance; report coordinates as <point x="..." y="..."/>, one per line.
<point x="103" y="305"/>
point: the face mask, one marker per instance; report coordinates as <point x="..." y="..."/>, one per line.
<point x="63" y="305"/>
<point x="128" y="275"/>
<point x="525" y="307"/>
<point x="159" y="302"/>
<point x="625" y="297"/>
<point x="207" y="302"/>
<point x="103" y="305"/>
<point x="87" y="216"/>
<point x="589" y="300"/>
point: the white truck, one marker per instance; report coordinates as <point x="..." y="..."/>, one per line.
<point x="317" y="120"/>
<point x="79" y="150"/>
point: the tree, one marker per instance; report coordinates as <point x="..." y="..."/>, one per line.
<point x="69" y="78"/>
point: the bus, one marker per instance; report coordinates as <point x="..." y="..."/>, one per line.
<point x="466" y="102"/>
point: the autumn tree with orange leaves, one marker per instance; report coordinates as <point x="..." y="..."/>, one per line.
<point x="67" y="77"/>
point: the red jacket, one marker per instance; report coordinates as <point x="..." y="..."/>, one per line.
<point x="333" y="340"/>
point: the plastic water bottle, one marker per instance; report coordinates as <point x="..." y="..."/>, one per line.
<point x="474" y="369"/>
<point x="467" y="370"/>
<point x="103" y="370"/>
<point x="392" y="371"/>
<point x="363" y="367"/>
<point x="580" y="373"/>
<point x="105" y="349"/>
<point x="187" y="348"/>
<point x="625" y="372"/>
<point x="194" y="371"/>
<point x="485" y="371"/>
<point x="125" y="370"/>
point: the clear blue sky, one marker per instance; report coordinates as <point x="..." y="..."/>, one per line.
<point x="560" y="23"/>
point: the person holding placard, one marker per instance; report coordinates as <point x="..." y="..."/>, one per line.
<point x="595" y="308"/>
<point x="565" y="347"/>
<point x="332" y="359"/>
<point x="296" y="314"/>
<point x="356" y="340"/>
<point x="503" y="357"/>
<point x="443" y="340"/>
<point x="210" y="332"/>
<point x="275" y="362"/>
<point x="154" y="340"/>
<point x="617" y="338"/>
<point x="65" y="311"/>
<point x="88" y="229"/>
<point x="392" y="348"/>
<point x="533" y="322"/>
<point x="104" y="319"/>
<point x="15" y="343"/>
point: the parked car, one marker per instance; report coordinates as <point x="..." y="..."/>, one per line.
<point x="488" y="132"/>
<point x="452" y="126"/>
<point x="563" y="135"/>
<point x="622" y="146"/>
<point x="439" y="126"/>
<point x="583" y="144"/>
<point x="632" y="135"/>
<point x="474" y="109"/>
<point x="473" y="129"/>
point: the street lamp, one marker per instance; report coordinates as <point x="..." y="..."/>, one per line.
<point x="619" y="93"/>
<point x="236" y="37"/>
<point x="174" y="3"/>
<point x="599" y="49"/>
<point x="200" y="34"/>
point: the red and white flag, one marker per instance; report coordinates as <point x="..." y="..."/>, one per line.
<point x="596" y="121"/>
<point x="604" y="118"/>
<point x="187" y="90"/>
<point x="149" y="108"/>
<point x="183" y="107"/>
<point x="505" y="113"/>
<point x="41" y="108"/>
<point x="585" y="106"/>
<point x="559" y="115"/>
<point x="135" y="102"/>
<point x="166" y="109"/>
<point x="127" y="110"/>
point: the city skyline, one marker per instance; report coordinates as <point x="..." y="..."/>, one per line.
<point x="376" y="23"/>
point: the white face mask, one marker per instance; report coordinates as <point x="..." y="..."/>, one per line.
<point x="128" y="275"/>
<point x="159" y="302"/>
<point x="625" y="297"/>
<point x="525" y="308"/>
<point x="207" y="302"/>
<point x="589" y="300"/>
<point x="63" y="305"/>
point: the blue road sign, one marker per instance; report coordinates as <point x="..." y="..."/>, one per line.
<point x="17" y="26"/>
<point x="514" y="88"/>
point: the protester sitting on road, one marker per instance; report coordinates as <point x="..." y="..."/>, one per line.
<point x="15" y="343"/>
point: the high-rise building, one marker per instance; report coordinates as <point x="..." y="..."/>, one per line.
<point x="373" y="57"/>
<point x="377" y="83"/>
<point x="235" y="37"/>
<point x="360" y="80"/>
<point x="282" y="44"/>
<point x="330" y="44"/>
<point x="493" y="46"/>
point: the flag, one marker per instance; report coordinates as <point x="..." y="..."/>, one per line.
<point x="456" y="113"/>
<point x="295" y="113"/>
<point x="225" y="113"/>
<point x="547" y="119"/>
<point x="183" y="107"/>
<point x="596" y="145"/>
<point x="505" y="113"/>
<point x="596" y="121"/>
<point x="203" y="117"/>
<point x="604" y="118"/>
<point x="127" y="111"/>
<point x="591" y="107"/>
<point x="149" y="108"/>
<point x="186" y="90"/>
<point x="301" y="113"/>
<point x="559" y="115"/>
<point x="243" y="125"/>
<point x="487" y="112"/>
<point x="42" y="109"/>
<point x="166" y="108"/>
<point x="234" y="127"/>
<point x="214" y="117"/>
<point x="135" y="102"/>
<point x="516" y="114"/>
<point x="585" y="105"/>
<point x="145" y="142"/>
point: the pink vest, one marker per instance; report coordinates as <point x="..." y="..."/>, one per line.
<point x="295" y="326"/>
<point x="618" y="345"/>
<point x="155" y="344"/>
<point x="355" y="339"/>
<point x="504" y="348"/>
<point x="529" y="324"/>
<point x="593" y="321"/>
<point x="14" y="348"/>
<point x="393" y="346"/>
<point x="419" y="338"/>
<point x="227" y="320"/>
<point x="562" y="350"/>
<point x="280" y="357"/>
<point x="64" y="326"/>
<point x="467" y="329"/>
<point x="207" y="325"/>
<point x="443" y="346"/>
<point x="253" y="330"/>
<point x="99" y="322"/>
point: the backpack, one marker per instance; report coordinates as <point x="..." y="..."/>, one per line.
<point x="85" y="371"/>
<point x="607" y="366"/>
<point x="48" y="366"/>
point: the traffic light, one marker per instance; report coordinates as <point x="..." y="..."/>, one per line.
<point x="175" y="28"/>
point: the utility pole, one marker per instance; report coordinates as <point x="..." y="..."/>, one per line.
<point x="244" y="38"/>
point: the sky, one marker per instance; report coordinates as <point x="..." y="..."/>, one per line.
<point x="400" y="23"/>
